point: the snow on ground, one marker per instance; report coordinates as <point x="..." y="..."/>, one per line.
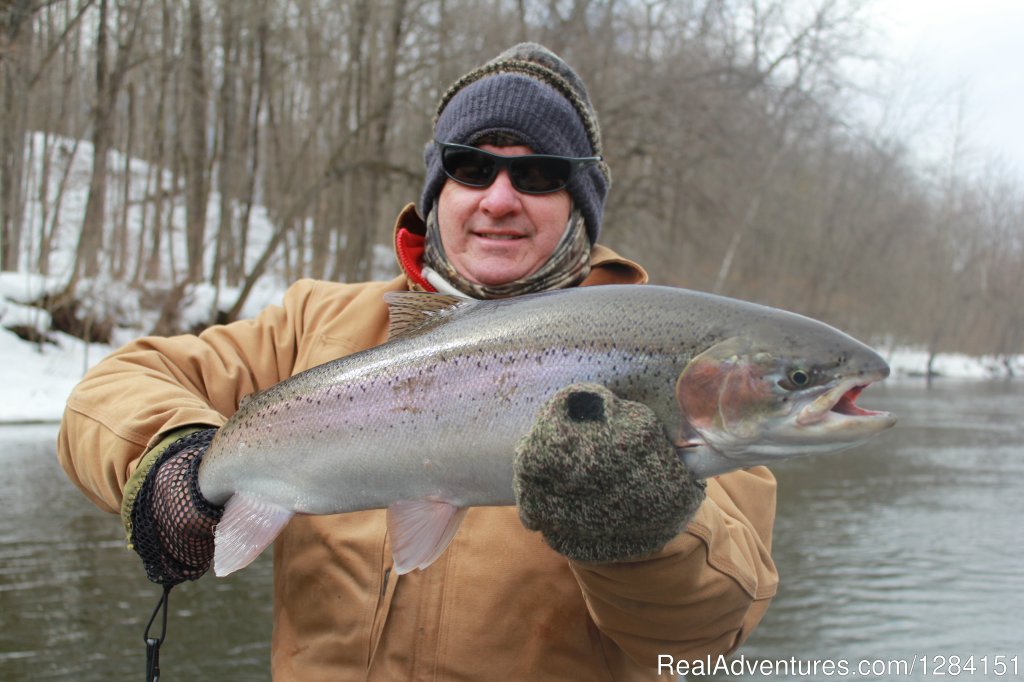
<point x="38" y="377"/>
<point x="37" y="380"/>
<point x="909" y="363"/>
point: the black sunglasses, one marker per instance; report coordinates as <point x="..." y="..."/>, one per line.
<point x="530" y="173"/>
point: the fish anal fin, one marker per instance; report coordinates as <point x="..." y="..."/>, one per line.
<point x="247" y="527"/>
<point x="421" y="530"/>
<point x="413" y="311"/>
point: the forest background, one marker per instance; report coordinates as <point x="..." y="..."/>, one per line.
<point x="232" y="142"/>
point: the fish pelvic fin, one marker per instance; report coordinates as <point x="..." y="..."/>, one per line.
<point x="412" y="312"/>
<point x="248" y="525"/>
<point x="421" y="530"/>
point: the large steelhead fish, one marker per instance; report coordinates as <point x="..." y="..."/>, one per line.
<point x="426" y="424"/>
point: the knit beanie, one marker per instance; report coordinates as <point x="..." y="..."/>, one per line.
<point x="530" y="93"/>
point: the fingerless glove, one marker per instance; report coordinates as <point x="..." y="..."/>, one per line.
<point x="170" y="524"/>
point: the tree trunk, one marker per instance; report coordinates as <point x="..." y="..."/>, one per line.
<point x="15" y="49"/>
<point x="196" y="189"/>
<point x="151" y="270"/>
<point x="255" y="104"/>
<point x="108" y="85"/>
<point x="121" y="250"/>
<point x="90" y="238"/>
<point x="226" y="165"/>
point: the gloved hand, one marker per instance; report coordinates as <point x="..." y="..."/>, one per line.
<point x="169" y="523"/>
<point x="598" y="477"/>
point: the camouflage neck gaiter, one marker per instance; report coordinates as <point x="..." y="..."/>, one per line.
<point x="568" y="265"/>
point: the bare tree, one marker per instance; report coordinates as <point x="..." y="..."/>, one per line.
<point x="108" y="86"/>
<point x="16" y="31"/>
<point x="196" y="187"/>
<point x="736" y="165"/>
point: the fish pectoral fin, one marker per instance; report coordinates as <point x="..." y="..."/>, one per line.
<point x="421" y="530"/>
<point x="248" y="525"/>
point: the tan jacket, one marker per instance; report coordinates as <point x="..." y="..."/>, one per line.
<point x="498" y="604"/>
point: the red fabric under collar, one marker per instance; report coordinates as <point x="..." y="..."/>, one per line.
<point x="409" y="247"/>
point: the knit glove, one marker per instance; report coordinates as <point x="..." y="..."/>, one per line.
<point x="169" y="523"/>
<point x="598" y="477"/>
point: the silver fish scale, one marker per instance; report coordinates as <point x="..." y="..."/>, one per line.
<point x="437" y="414"/>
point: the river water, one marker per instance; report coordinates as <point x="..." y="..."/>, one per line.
<point x="908" y="549"/>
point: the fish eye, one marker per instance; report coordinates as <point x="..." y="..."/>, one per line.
<point x="796" y="379"/>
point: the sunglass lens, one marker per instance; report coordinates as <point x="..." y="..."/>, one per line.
<point x="468" y="166"/>
<point x="539" y="175"/>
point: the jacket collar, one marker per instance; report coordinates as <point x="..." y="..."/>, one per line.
<point x="607" y="267"/>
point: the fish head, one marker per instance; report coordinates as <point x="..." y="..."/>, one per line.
<point x="756" y="398"/>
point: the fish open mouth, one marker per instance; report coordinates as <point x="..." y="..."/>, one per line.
<point x="847" y="404"/>
<point x="840" y="402"/>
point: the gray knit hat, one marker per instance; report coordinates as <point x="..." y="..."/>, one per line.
<point x="528" y="92"/>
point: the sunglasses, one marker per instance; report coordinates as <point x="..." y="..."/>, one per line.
<point x="530" y="173"/>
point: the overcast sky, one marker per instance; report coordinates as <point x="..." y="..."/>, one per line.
<point x="945" y="51"/>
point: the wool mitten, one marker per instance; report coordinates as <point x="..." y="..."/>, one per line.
<point x="599" y="478"/>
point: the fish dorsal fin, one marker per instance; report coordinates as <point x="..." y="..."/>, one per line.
<point x="415" y="311"/>
<point x="421" y="530"/>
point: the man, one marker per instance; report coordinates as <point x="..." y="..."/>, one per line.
<point x="500" y="603"/>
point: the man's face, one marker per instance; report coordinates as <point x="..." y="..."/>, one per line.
<point x="495" y="235"/>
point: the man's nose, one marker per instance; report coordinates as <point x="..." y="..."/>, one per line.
<point x="501" y="198"/>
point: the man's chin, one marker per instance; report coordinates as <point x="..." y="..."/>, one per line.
<point x="495" y="274"/>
